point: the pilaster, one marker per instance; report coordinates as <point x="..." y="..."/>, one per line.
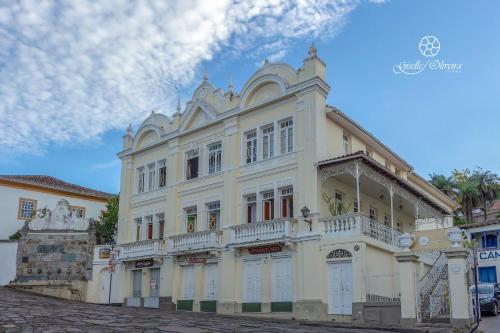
<point x="408" y="262"/>
<point x="457" y="284"/>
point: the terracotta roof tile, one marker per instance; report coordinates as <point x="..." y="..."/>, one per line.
<point x="54" y="183"/>
<point x="479" y="224"/>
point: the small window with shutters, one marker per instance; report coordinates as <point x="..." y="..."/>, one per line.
<point x="268" y="205"/>
<point x="149" y="226"/>
<point x="287" y="202"/>
<point x="138" y="223"/>
<point x="251" y="208"/>
<point x="191" y="217"/>
<point x="160" y="219"/>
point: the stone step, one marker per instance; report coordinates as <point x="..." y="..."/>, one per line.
<point x="166" y="304"/>
<point x="441" y="319"/>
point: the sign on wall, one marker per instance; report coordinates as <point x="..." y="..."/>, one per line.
<point x="104" y="253"/>
<point x="144" y="263"/>
<point x="488" y="255"/>
<point x="266" y="249"/>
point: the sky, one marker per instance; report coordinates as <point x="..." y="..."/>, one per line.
<point x="74" y="74"/>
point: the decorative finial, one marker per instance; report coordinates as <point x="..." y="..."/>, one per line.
<point x="178" y="104"/>
<point x="230" y="86"/>
<point x="313" y="51"/>
<point x="129" y="129"/>
<point x="266" y="61"/>
<point x="205" y="75"/>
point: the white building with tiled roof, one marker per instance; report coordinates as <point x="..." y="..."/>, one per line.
<point x="21" y="195"/>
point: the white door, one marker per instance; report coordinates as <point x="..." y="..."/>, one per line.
<point x="252" y="281"/>
<point x="340" y="288"/>
<point x="154" y="282"/>
<point x="281" y="287"/>
<point x="137" y="283"/>
<point x="104" y="277"/>
<point x="188" y="282"/>
<point x="211" y="282"/>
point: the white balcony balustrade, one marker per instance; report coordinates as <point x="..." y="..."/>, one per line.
<point x="358" y="224"/>
<point x="142" y="249"/>
<point x="265" y="232"/>
<point x="194" y="242"/>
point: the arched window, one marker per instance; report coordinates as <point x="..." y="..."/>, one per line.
<point x="338" y="254"/>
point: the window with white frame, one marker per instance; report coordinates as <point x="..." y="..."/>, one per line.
<point x="151" y="176"/>
<point x="267" y="142"/>
<point x="214" y="158"/>
<point x="386" y="219"/>
<point x="78" y="212"/>
<point x="149" y="227"/>
<point x="286" y="136"/>
<point x="345" y="144"/>
<point x="251" y="208"/>
<point x="160" y="219"/>
<point x="138" y="224"/>
<point x="372" y="213"/>
<point x="192" y="165"/>
<point x="213" y="212"/>
<point x="251" y="146"/>
<point x="162" y="173"/>
<point x="287" y="202"/>
<point x="268" y="205"/>
<point x="27" y="208"/>
<point x="191" y="217"/>
<point x="140" y="180"/>
<point x="355" y="206"/>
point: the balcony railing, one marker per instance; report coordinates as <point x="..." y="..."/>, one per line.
<point x="142" y="249"/>
<point x="195" y="242"/>
<point x="263" y="232"/>
<point x="357" y="224"/>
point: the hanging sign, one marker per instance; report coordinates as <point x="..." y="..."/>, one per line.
<point x="266" y="249"/>
<point x="113" y="257"/>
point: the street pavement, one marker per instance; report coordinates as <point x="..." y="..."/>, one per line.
<point x="489" y="324"/>
<point x="25" y="312"/>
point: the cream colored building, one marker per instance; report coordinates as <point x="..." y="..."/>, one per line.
<point x="212" y="198"/>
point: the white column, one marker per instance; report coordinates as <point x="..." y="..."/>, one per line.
<point x="457" y="280"/>
<point x="356" y="168"/>
<point x="407" y="265"/>
<point x="391" y="193"/>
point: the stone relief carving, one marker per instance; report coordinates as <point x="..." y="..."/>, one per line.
<point x="60" y="218"/>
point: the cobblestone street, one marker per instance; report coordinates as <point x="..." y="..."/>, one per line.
<point x="23" y="312"/>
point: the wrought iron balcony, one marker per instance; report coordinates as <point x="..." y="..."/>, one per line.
<point x="142" y="249"/>
<point x="195" y="242"/>
<point x="358" y="224"/>
<point x="266" y="232"/>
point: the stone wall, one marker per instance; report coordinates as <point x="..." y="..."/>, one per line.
<point x="55" y="261"/>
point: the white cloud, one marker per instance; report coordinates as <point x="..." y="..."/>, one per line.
<point x="71" y="71"/>
<point x="106" y="165"/>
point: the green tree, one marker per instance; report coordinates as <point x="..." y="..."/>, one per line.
<point x="467" y="190"/>
<point x="487" y="185"/>
<point x="444" y="184"/>
<point x="107" y="225"/>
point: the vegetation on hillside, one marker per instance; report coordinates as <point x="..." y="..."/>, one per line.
<point x="470" y="189"/>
